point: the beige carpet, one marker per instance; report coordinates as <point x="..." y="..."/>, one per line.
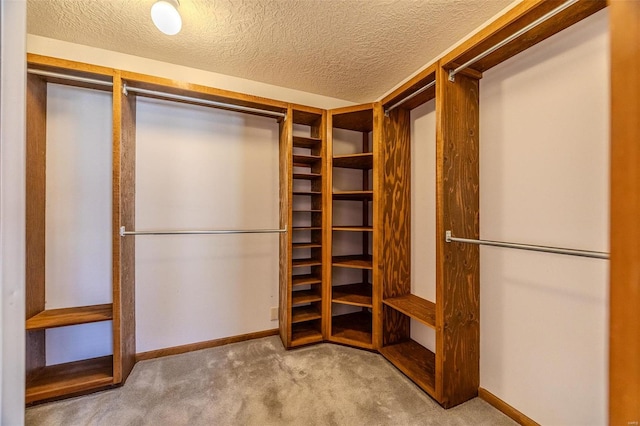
<point x="259" y="383"/>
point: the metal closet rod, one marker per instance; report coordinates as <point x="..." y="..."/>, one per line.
<point x="530" y="247"/>
<point x="512" y="37"/>
<point x="124" y="232"/>
<point x="126" y="90"/>
<point x="411" y="96"/>
<point x="69" y="77"/>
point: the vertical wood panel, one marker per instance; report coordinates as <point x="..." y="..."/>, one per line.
<point x="286" y="185"/>
<point x="327" y="212"/>
<point x="124" y="158"/>
<point x="36" y="152"/>
<point x="624" y="350"/>
<point x="378" y="224"/>
<point x="457" y="265"/>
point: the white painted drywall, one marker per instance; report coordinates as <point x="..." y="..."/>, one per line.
<point x="92" y="55"/>
<point x="13" y="16"/>
<point x="202" y="168"/>
<point x="423" y="214"/>
<point x="544" y="139"/>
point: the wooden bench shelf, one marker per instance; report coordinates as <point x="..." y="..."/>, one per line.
<point x="414" y="360"/>
<point x="305" y="313"/>
<point x="358" y="261"/>
<point x="358" y="294"/>
<point x="353" y="195"/>
<point x="70" y="378"/>
<point x="353" y="329"/>
<point x="362" y="161"/>
<point x="70" y="316"/>
<point x="414" y="307"/>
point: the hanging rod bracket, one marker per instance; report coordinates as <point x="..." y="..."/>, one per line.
<point x="124" y="90"/>
<point x="447" y="236"/>
<point x="386" y="112"/>
<point x="122" y="230"/>
<point x="452" y="75"/>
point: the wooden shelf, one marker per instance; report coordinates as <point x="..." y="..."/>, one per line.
<point x="302" y="142"/>
<point x="307" y="228"/>
<point x="297" y="263"/>
<point x="305" y="333"/>
<point x="362" y="161"/>
<point x="70" y="378"/>
<point x="353" y="228"/>
<point x="70" y="316"/>
<point x="306" y="245"/>
<point x="307" y="176"/>
<point x="307" y="193"/>
<point x="414" y="360"/>
<point x="415" y="307"/>
<point x="353" y="195"/>
<point x="305" y="313"/>
<point x="353" y="329"/>
<point x="359" y="121"/>
<point x="305" y="160"/>
<point x="353" y="294"/>
<point x="306" y="279"/>
<point x="308" y="211"/>
<point x="358" y="261"/>
<point x="305" y="296"/>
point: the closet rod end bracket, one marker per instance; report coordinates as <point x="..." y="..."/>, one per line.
<point x="122" y="231"/>
<point x="447" y="236"/>
<point x="124" y="90"/>
<point x="452" y="75"/>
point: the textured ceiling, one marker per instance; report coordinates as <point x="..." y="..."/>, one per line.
<point x="348" y="49"/>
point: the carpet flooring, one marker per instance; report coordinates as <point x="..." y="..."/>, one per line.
<point x="259" y="383"/>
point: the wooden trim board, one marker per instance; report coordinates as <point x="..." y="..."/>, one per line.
<point x="175" y="350"/>
<point x="505" y="408"/>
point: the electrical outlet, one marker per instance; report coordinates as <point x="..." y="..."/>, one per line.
<point x="274" y="314"/>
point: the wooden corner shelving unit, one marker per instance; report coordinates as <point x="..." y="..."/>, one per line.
<point x="302" y="166"/>
<point x="355" y="325"/>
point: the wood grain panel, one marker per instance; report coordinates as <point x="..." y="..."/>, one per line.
<point x="124" y="160"/>
<point x="396" y="327"/>
<point x="624" y="273"/>
<point x="414" y="307"/>
<point x="396" y="204"/>
<point x="377" y="243"/>
<point x="513" y="20"/>
<point x="286" y="220"/>
<point x="327" y="235"/>
<point x="457" y="265"/>
<point x="36" y="170"/>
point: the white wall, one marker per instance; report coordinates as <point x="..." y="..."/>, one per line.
<point x="544" y="118"/>
<point x="78" y="217"/>
<point x="202" y="168"/>
<point x="77" y="52"/>
<point x="12" y="186"/>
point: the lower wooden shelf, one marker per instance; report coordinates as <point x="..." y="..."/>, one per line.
<point x="352" y="294"/>
<point x="70" y="378"/>
<point x="353" y="329"/>
<point x="416" y="307"/>
<point x="415" y="361"/>
<point x="299" y="297"/>
<point x="305" y="313"/>
<point x="306" y="279"/>
<point x="305" y="333"/>
<point x="70" y="316"/>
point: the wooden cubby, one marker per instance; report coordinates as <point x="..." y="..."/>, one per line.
<point x="352" y="309"/>
<point x="302" y="167"/>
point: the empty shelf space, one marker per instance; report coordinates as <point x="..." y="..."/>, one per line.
<point x="353" y="195"/>
<point x="305" y="160"/>
<point x="358" y="261"/>
<point x="306" y="245"/>
<point x="352" y="294"/>
<point x="307" y="279"/>
<point x="305" y="313"/>
<point x="307" y="176"/>
<point x="303" y="142"/>
<point x="354" y="328"/>
<point x="414" y="360"/>
<point x="307" y="228"/>
<point x="66" y="379"/>
<point x="299" y="297"/>
<point x="353" y="228"/>
<point x="415" y="307"/>
<point x="308" y="193"/>
<point x="70" y="316"/>
<point x="362" y="161"/>
<point x="305" y="332"/>
<point x="306" y="262"/>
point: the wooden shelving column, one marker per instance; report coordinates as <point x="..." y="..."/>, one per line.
<point x="358" y="327"/>
<point x="302" y="168"/>
<point x="46" y="382"/>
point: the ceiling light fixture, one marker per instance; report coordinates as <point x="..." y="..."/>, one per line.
<point x="165" y="16"/>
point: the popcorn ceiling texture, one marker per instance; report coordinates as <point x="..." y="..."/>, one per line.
<point x="354" y="50"/>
